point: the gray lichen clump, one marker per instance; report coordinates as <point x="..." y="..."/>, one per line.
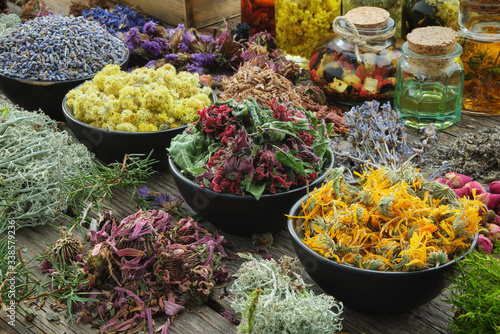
<point x="273" y="298"/>
<point x="8" y="22"/>
<point x="35" y="160"/>
<point x="473" y="154"/>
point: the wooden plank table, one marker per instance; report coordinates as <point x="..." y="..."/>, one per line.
<point x="430" y="318"/>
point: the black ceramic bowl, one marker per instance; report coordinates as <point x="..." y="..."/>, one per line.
<point x="110" y="146"/>
<point x="369" y="291"/>
<point x="45" y="95"/>
<point x="240" y="215"/>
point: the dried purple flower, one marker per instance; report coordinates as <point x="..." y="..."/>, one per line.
<point x="376" y="135"/>
<point x="145" y="261"/>
<point x="149" y="28"/>
<point x="133" y="38"/>
<point x="206" y="39"/>
<point x="171" y="57"/>
<point x="163" y="43"/>
<point x="227" y="315"/>
<point x="152" y="47"/>
<point x="143" y="192"/>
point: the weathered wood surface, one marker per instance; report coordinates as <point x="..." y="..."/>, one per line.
<point x="430" y="318"/>
<point x="192" y="13"/>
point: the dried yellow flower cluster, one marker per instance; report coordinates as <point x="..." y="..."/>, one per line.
<point x="140" y="101"/>
<point x="303" y="24"/>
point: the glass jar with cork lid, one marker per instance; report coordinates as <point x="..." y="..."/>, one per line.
<point x="430" y="78"/>
<point x="394" y="7"/>
<point x="479" y="36"/>
<point x="359" y="62"/>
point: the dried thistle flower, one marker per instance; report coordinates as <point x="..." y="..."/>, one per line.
<point x="66" y="248"/>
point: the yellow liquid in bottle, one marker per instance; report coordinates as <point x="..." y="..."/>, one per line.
<point x="481" y="58"/>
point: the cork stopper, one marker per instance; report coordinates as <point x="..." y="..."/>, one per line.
<point x="368" y="17"/>
<point x="432" y="41"/>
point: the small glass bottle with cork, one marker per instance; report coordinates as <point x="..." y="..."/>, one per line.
<point x="430" y="78"/>
<point x="359" y="62"/>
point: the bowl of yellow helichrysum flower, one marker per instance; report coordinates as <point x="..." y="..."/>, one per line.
<point x="118" y="112"/>
<point x="385" y="244"/>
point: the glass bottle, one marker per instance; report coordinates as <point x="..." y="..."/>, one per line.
<point x="479" y="36"/>
<point x="430" y="79"/>
<point x="424" y="13"/>
<point x="302" y="24"/>
<point x="259" y="14"/>
<point x="394" y="7"/>
<point x="335" y="67"/>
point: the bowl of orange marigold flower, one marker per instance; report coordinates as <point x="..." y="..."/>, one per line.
<point x="385" y="244"/>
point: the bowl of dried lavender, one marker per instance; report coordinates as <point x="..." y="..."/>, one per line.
<point x="44" y="58"/>
<point x="241" y="167"/>
<point x="385" y="245"/>
<point x="118" y="112"/>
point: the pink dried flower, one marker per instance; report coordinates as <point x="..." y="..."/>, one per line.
<point x="456" y="180"/>
<point x="495" y="187"/>
<point x="485" y="244"/>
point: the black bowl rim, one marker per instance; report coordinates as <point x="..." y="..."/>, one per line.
<point x="294" y="235"/>
<point x="68" y="114"/>
<point x="174" y="168"/>
<point x="54" y="82"/>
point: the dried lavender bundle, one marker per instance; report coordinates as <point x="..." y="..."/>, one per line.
<point x="35" y="158"/>
<point x="473" y="154"/>
<point x="378" y="136"/>
<point x="273" y="298"/>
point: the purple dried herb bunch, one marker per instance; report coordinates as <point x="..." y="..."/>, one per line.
<point x="186" y="49"/>
<point x="262" y="51"/>
<point x="144" y="265"/>
<point x="376" y="135"/>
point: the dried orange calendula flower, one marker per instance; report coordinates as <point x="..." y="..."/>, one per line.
<point x="395" y="221"/>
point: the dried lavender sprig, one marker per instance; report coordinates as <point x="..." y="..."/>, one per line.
<point x="377" y="137"/>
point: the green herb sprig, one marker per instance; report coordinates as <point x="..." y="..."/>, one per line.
<point x="475" y="294"/>
<point x="96" y="187"/>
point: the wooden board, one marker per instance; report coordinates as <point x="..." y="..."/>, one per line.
<point x="191" y="13"/>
